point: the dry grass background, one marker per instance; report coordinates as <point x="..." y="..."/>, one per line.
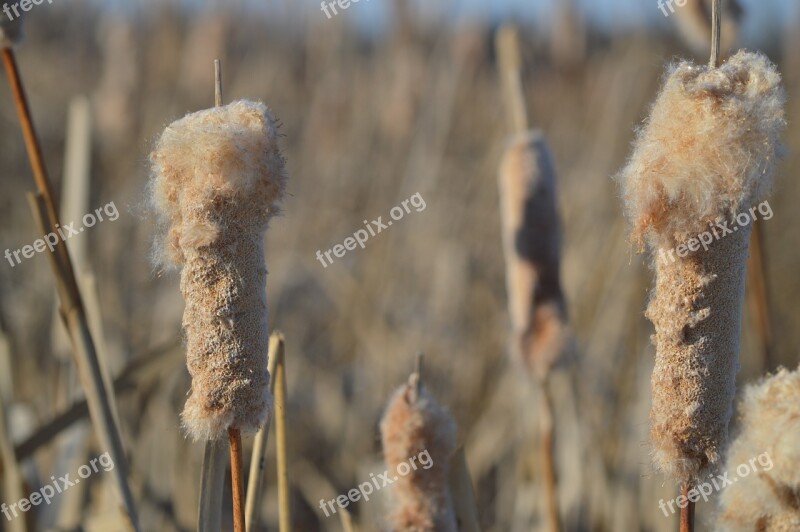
<point x="366" y="124"/>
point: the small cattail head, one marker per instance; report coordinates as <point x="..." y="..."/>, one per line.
<point x="707" y="150"/>
<point x="532" y="246"/>
<point x="414" y="423"/>
<point x="768" y="498"/>
<point x="10" y="31"/>
<point x="217" y="178"/>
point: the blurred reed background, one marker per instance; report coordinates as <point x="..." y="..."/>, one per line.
<point x="369" y="120"/>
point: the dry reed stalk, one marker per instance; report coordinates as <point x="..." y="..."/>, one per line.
<point x="212" y="486"/>
<point x="767" y="499"/>
<point x="13" y="486"/>
<point x="464" y="503"/>
<point x="705" y="154"/>
<point x="412" y="424"/>
<point x="72" y="310"/>
<point x="759" y="295"/>
<point x="258" y="463"/>
<point x="282" y="446"/>
<point x="510" y="63"/>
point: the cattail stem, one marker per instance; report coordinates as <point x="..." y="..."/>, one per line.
<point x="507" y="45"/>
<point x="716" y="30"/>
<point x="687" y="512"/>
<point x="547" y="455"/>
<point x="237" y="479"/>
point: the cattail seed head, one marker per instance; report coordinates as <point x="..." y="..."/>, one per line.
<point x="217" y="178"/>
<point x="706" y="153"/>
<point x="768" y="498"/>
<point x="415" y="423"/>
<point x="532" y="248"/>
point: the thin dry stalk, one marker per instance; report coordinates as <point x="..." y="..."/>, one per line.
<point x="282" y="447"/>
<point x="464" y="503"/>
<point x="13" y="481"/>
<point x="510" y="58"/>
<point x="72" y="310"/>
<point x="716" y="28"/>
<point x="258" y="463"/>
<point x="212" y="486"/>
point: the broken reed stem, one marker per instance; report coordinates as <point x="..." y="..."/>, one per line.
<point x="547" y="455"/>
<point x="510" y="62"/>
<point x="716" y="30"/>
<point x="687" y="513"/>
<point x="212" y="486"/>
<point x="237" y="479"/>
<point x="71" y="307"/>
<point x="281" y="446"/>
<point x="36" y="159"/>
<point x="258" y="464"/>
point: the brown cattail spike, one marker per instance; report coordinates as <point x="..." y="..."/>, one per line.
<point x="532" y="245"/>
<point x="414" y="425"/>
<point x="765" y="459"/>
<point x="218" y="176"/>
<point x="706" y="154"/>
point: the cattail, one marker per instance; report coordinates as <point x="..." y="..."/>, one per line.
<point x="694" y="23"/>
<point x="415" y="424"/>
<point x="10" y="31"/>
<point x="767" y="497"/>
<point x="705" y="155"/>
<point x="217" y="178"/>
<point x="532" y="245"/>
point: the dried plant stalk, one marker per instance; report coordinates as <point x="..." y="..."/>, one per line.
<point x="768" y="498"/>
<point x="217" y="179"/>
<point x="414" y="423"/>
<point x="532" y="246"/>
<point x="705" y="154"/>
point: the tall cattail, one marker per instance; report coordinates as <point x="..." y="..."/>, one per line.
<point x="705" y="154"/>
<point x="532" y="246"/>
<point x="414" y="423"/>
<point x="217" y="178"/>
<point x="767" y="498"/>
